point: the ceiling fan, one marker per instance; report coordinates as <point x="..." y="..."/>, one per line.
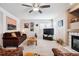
<point x="36" y="7"/>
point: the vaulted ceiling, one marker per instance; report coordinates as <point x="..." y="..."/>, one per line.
<point x="22" y="12"/>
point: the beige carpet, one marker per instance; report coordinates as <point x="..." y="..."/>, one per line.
<point x="44" y="47"/>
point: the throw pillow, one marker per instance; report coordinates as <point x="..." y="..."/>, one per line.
<point x="13" y="34"/>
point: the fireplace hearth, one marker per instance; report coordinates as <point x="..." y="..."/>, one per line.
<point x="75" y="42"/>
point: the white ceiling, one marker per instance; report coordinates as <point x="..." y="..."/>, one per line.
<point x="22" y="12"/>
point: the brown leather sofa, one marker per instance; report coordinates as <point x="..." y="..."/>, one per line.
<point x="11" y="41"/>
<point x="58" y="52"/>
<point x="11" y="52"/>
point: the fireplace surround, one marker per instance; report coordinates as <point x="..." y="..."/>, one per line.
<point x="75" y="42"/>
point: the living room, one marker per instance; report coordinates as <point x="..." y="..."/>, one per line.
<point x="45" y="31"/>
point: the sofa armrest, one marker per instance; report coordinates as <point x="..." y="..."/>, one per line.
<point x="24" y="36"/>
<point x="20" y="51"/>
<point x="71" y="54"/>
<point x="57" y="52"/>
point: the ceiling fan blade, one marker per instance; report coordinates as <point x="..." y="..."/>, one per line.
<point x="40" y="11"/>
<point x="26" y="5"/>
<point x="45" y="6"/>
<point x="33" y="4"/>
<point x="30" y="11"/>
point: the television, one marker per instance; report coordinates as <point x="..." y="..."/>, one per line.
<point x="49" y="31"/>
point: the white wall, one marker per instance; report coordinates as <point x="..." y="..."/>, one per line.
<point x="60" y="32"/>
<point x="36" y="29"/>
<point x="27" y="30"/>
<point x="5" y="13"/>
<point x="3" y="25"/>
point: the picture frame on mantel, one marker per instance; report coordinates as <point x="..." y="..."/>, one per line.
<point x="11" y="23"/>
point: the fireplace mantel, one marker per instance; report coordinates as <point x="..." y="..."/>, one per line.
<point x="73" y="30"/>
<point x="70" y="34"/>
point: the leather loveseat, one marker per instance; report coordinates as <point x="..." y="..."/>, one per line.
<point x="13" y="41"/>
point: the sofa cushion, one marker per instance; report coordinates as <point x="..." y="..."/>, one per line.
<point x="13" y="34"/>
<point x="18" y="34"/>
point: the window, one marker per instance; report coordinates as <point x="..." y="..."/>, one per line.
<point x="45" y="25"/>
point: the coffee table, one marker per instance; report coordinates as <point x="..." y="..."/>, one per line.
<point x="31" y="40"/>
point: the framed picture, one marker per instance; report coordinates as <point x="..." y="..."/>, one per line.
<point x="31" y="26"/>
<point x="26" y="25"/>
<point x="11" y="23"/>
<point x="60" y="23"/>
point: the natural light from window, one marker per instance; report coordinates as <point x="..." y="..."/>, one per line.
<point x="45" y="25"/>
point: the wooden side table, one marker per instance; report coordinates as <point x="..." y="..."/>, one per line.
<point x="31" y="40"/>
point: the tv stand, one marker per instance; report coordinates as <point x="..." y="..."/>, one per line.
<point x="47" y="37"/>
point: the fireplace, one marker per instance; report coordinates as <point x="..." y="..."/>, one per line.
<point x="75" y="42"/>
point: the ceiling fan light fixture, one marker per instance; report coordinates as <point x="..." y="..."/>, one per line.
<point x="35" y="9"/>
